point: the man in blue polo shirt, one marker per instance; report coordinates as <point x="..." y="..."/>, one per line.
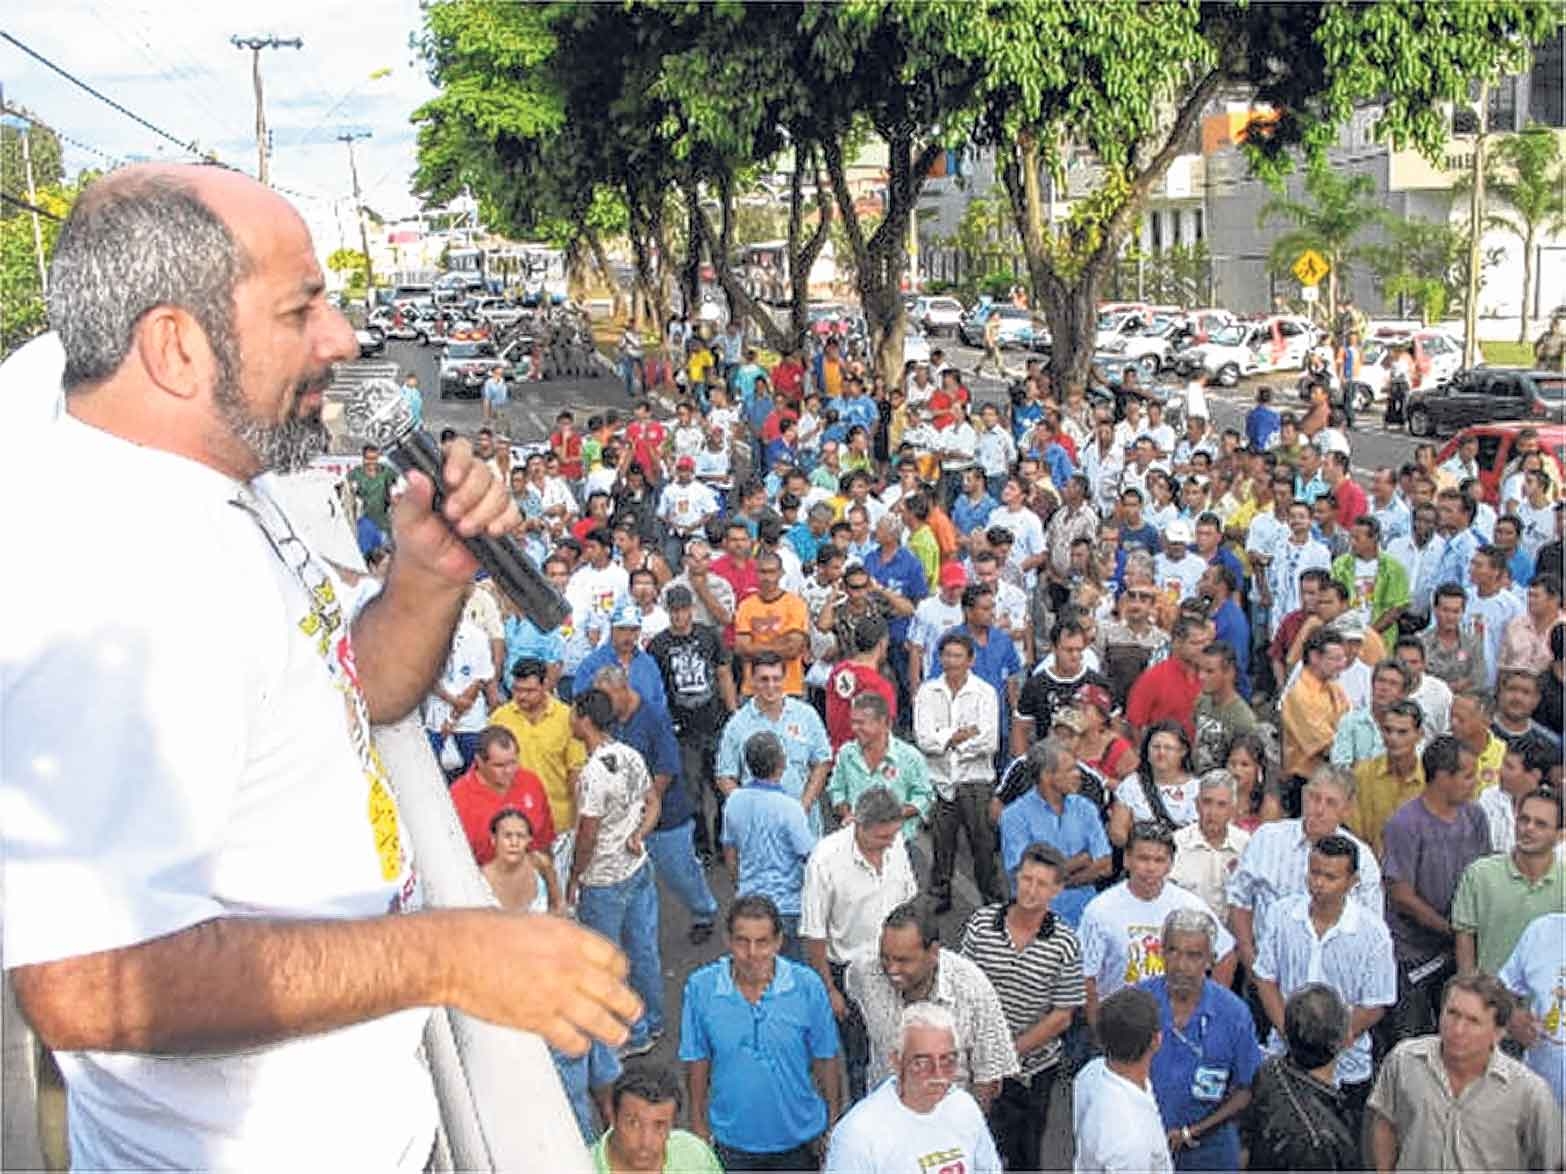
<point x="995" y="659"/>
<point x="796" y="725"/>
<point x="624" y="648"/>
<point x="900" y="575"/>
<point x="1053" y="813"/>
<point x="766" y="838"/>
<point x="1220" y="586"/>
<point x="759" y="1044"/>
<point x="1203" y="1070"/>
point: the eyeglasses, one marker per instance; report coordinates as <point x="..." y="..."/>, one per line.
<point x="1143" y="595"/>
<point x="923" y="1065"/>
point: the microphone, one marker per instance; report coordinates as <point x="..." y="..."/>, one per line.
<point x="379" y="415"/>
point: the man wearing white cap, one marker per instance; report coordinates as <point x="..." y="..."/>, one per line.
<point x="624" y="648"/>
<point x="1178" y="569"/>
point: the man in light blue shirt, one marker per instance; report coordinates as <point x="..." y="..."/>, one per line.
<point x="1389" y="510"/>
<point x="766" y="839"/>
<point x="797" y="726"/>
<point x="1459" y="540"/>
<point x="1053" y="813"/>
<point x="759" y="1043"/>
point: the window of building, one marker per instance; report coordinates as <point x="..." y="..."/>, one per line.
<point x="1174" y="226"/>
<point x="1155" y="230"/>
<point x="1197" y="227"/>
<point x="1547" y="83"/>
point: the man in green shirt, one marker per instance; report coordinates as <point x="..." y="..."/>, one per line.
<point x="876" y="759"/>
<point x="372" y="484"/>
<point x="1499" y="895"/>
<point x="642" y="1137"/>
<point x="1377" y="583"/>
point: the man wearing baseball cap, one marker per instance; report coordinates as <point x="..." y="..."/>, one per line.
<point x="686" y="505"/>
<point x="932" y="619"/>
<point x="624" y="648"/>
<point x="1178" y="570"/>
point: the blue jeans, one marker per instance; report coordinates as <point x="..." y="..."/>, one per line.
<point x="673" y="851"/>
<point x="627" y="914"/>
<point x="633" y="371"/>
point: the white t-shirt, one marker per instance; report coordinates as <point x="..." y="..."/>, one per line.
<point x="1196" y="401"/>
<point x="1027" y="536"/>
<point x="469" y="661"/>
<point x="1538" y="526"/>
<point x="1537" y="971"/>
<point x="1365" y="585"/>
<point x="1163" y="438"/>
<point x="1182" y="576"/>
<point x="177" y="748"/>
<point x="931" y="620"/>
<point x="684" y="506"/>
<point x="1119" y="1129"/>
<point x="881" y="1135"/>
<point x="1180" y="802"/>
<point x="1122" y="935"/>
<point x="593" y="594"/>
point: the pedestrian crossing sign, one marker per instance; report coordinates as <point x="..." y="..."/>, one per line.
<point x="1310" y="267"/>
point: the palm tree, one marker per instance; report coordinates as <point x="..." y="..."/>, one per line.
<point x="1525" y="188"/>
<point x="1338" y="208"/>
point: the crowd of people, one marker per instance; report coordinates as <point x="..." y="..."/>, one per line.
<point x="1246" y="774"/>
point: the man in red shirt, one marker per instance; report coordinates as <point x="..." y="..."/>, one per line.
<point x="647" y="438"/>
<point x="566" y="443"/>
<point x="1352" y="502"/>
<point x="788" y="378"/>
<point x="495" y="781"/>
<point x="855" y="674"/>
<point x="735" y="566"/>
<point x="1170" y="688"/>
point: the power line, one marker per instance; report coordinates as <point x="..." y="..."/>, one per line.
<point x="192" y="147"/>
<point x="8" y="198"/>
<point x="113" y="160"/>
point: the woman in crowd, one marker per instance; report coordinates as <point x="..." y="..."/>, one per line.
<point x="1256" y="791"/>
<point x="522" y="880"/>
<point x="1163" y="789"/>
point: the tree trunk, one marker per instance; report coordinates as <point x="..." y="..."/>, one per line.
<point x="879" y="262"/>
<point x="1068" y="271"/>
<point x="1527" y="294"/>
<point x="720" y="248"/>
<point x="1475" y="230"/>
<point x="802" y="250"/>
<point x="690" y="269"/>
<point x="595" y="249"/>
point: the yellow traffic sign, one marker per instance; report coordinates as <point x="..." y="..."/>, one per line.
<point x="1310" y="267"/>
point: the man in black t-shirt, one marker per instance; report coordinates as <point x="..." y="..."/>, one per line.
<point x="698" y="680"/>
<point x="1052" y="686"/>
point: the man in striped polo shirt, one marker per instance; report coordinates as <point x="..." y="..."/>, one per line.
<point x="1032" y="959"/>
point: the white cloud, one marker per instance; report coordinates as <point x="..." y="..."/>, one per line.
<point x="173" y="65"/>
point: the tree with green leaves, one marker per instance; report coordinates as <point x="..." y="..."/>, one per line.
<point x="43" y="153"/>
<point x="350" y="263"/>
<point x="1525" y="195"/>
<point x="23" y="312"/>
<point x="1128" y="82"/>
<point x="1426" y="262"/>
<point x="1338" y="209"/>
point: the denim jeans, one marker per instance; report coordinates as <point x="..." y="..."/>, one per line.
<point x="674" y="853"/>
<point x="467" y="746"/>
<point x="630" y="369"/>
<point x="627" y="914"/>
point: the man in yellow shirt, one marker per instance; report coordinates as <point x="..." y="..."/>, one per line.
<point x="1386" y="782"/>
<point x="1311" y="710"/>
<point x="773" y="620"/>
<point x="1471" y="714"/>
<point x="541" y="724"/>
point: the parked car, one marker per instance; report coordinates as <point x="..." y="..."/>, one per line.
<point x="371" y="342"/>
<point x="1276" y="343"/>
<point x="1496" y="442"/>
<point x="498" y="311"/>
<point x="464" y="366"/>
<point x="937" y="315"/>
<point x="1152" y="348"/>
<point x="916" y="346"/>
<point x="1483" y="394"/>
<point x="409" y="324"/>
<point x="1016" y="326"/>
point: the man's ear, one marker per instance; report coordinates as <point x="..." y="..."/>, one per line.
<point x="174" y="351"/>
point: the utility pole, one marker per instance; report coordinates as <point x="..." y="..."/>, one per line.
<point x="255" y="45"/>
<point x="26" y="133"/>
<point x="1475" y="229"/>
<point x="348" y="137"/>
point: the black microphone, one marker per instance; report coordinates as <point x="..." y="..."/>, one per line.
<point x="379" y="415"/>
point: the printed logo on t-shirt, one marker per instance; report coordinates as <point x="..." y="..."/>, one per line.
<point x="943" y="1162"/>
<point x="1144" y="953"/>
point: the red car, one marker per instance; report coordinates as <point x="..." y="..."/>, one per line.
<point x="1495" y="450"/>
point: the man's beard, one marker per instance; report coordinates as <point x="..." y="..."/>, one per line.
<point x="279" y="448"/>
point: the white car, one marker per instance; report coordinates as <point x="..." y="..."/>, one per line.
<point x="937" y="315"/>
<point x="1152" y="349"/>
<point x="916" y="346"/>
<point x="499" y="312"/>
<point x="1117" y="325"/>
<point x="1277" y="343"/>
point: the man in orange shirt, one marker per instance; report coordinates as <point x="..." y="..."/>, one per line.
<point x="1311" y="710"/>
<point x="495" y="781"/>
<point x="773" y="620"/>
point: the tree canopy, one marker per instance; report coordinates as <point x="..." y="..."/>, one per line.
<point x="662" y="106"/>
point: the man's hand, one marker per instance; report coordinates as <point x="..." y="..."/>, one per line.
<point x="575" y="988"/>
<point x="839" y="1003"/>
<point x="476" y="503"/>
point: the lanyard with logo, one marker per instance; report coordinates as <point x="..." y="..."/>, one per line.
<point x="327" y="630"/>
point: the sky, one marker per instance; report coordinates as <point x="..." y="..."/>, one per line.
<point x="172" y="64"/>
